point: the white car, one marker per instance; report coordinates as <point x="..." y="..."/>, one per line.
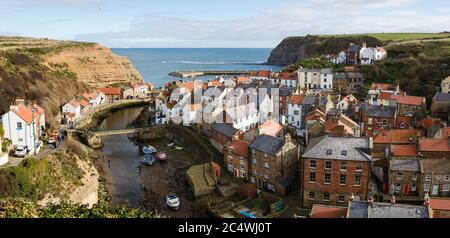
<point x="20" y="151"/>
<point x="173" y="201"/>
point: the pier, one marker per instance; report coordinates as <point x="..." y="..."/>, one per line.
<point x="193" y="74"/>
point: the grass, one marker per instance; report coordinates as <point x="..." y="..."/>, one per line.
<point x="396" y="36"/>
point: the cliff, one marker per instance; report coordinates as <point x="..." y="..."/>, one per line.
<point x="52" y="72"/>
<point x="294" y="49"/>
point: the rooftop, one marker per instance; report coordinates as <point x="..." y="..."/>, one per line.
<point x="339" y="148"/>
<point x="267" y="144"/>
<point x="381" y="111"/>
<point x="270" y="127"/>
<point x="440" y="204"/>
<point x="386" y="210"/>
<point x="296" y="99"/>
<point x="239" y="147"/>
<point x="396" y="136"/>
<point x="404" y="150"/>
<point x="435" y="145"/>
<point x="408" y="100"/>
<point x="225" y="129"/>
<point x="110" y="91"/>
<point x="441" y="97"/>
<point x="412" y="165"/>
<point x="435" y="165"/>
<point x="324" y="211"/>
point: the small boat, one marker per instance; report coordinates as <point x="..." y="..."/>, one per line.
<point x="161" y="156"/>
<point x="149" y="149"/>
<point x="173" y="201"/>
<point x="149" y="159"/>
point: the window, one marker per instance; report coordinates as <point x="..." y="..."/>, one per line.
<point x="266" y="176"/>
<point x="328" y="165"/>
<point x="270" y="187"/>
<point x="252" y="179"/>
<point x="414" y="177"/>
<point x="358" y="167"/>
<point x="326" y="197"/>
<point x="327" y="178"/>
<point x="254" y="161"/>
<point x="344" y="153"/>
<point x="312" y="177"/>
<point x="343" y="166"/>
<point x="426" y="187"/>
<point x="446" y="187"/>
<point x="20" y="139"/>
<point x="384" y="122"/>
<point x="312" y="195"/>
<point x="242" y="174"/>
<point x="402" y="125"/>
<point x="341" y="197"/>
<point x="230" y="168"/>
<point x="447" y="177"/>
<point x="266" y="165"/>
<point x="399" y="176"/>
<point x="296" y="112"/>
<point x="265" y="155"/>
<point x="19" y="125"/>
<point x="329" y="152"/>
<point x="312" y="164"/>
<point x="438" y="177"/>
<point x="428" y="177"/>
<point x="370" y="121"/>
<point x="358" y="180"/>
<point x="413" y="187"/>
<point x="342" y="179"/>
<point x="398" y="187"/>
<point x="242" y="164"/>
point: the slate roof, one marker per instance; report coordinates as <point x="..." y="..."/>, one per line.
<point x="386" y="210"/>
<point x="225" y="129"/>
<point x="435" y="165"/>
<point x="412" y="165"/>
<point x="442" y="97"/>
<point x="286" y="91"/>
<point x="310" y="99"/>
<point x="318" y="148"/>
<point x="381" y="111"/>
<point x="267" y="144"/>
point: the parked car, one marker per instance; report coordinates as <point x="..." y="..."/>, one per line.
<point x="173" y="201"/>
<point x="20" y="151"/>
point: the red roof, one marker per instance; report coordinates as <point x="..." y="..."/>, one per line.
<point x="407" y="120"/>
<point x="24" y="112"/>
<point x="261" y="73"/>
<point x="271" y="128"/>
<point x="408" y="100"/>
<point x="385" y="95"/>
<point x="397" y="136"/>
<point x="296" y="99"/>
<point x="315" y="115"/>
<point x="404" y="150"/>
<point x="434" y="145"/>
<point x="383" y="86"/>
<point x="239" y="147"/>
<point x="240" y="80"/>
<point x="84" y="103"/>
<point x="110" y="91"/>
<point x="440" y="204"/>
<point x="428" y="121"/>
<point x="287" y="76"/>
<point x="445" y="133"/>
<point x="324" y="211"/>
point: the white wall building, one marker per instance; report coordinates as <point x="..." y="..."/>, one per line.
<point x="23" y="126"/>
<point x="368" y="55"/>
<point x="321" y="79"/>
<point x="295" y="112"/>
<point x="243" y="117"/>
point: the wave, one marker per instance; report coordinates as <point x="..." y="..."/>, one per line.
<point x="213" y="62"/>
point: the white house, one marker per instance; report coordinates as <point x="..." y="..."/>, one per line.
<point x="243" y="117"/>
<point x="23" y="124"/>
<point x="321" y="79"/>
<point x="140" y="90"/>
<point x="70" y="112"/>
<point x="346" y="102"/>
<point x="260" y="75"/>
<point x="445" y="85"/>
<point x="94" y="98"/>
<point x="295" y="112"/>
<point x="368" y="55"/>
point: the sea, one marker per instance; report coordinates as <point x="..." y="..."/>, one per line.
<point x="156" y="64"/>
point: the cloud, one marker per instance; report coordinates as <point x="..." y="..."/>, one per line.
<point x="270" y="27"/>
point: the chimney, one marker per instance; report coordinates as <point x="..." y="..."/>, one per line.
<point x="392" y="200"/>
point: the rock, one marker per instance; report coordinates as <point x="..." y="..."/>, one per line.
<point x="94" y="141"/>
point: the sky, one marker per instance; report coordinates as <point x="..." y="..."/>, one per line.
<point x="214" y="23"/>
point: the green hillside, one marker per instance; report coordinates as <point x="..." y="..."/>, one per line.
<point x="398" y="36"/>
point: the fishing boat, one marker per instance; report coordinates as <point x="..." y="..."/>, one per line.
<point x="149" y="149"/>
<point x="161" y="156"/>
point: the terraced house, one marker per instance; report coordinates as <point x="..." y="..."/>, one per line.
<point x="274" y="162"/>
<point x="376" y="118"/>
<point x="334" y="168"/>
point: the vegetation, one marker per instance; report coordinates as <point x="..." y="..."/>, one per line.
<point x="398" y="36"/>
<point x="23" y="208"/>
<point x="313" y="63"/>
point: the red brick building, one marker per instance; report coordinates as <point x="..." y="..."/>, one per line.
<point x="236" y="159"/>
<point x="378" y="117"/>
<point x="333" y="168"/>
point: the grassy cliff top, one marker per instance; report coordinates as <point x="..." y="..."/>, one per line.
<point x="398" y="36"/>
<point x="38" y="45"/>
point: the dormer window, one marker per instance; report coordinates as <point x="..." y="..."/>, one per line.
<point x="344" y="153"/>
<point x="329" y="152"/>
